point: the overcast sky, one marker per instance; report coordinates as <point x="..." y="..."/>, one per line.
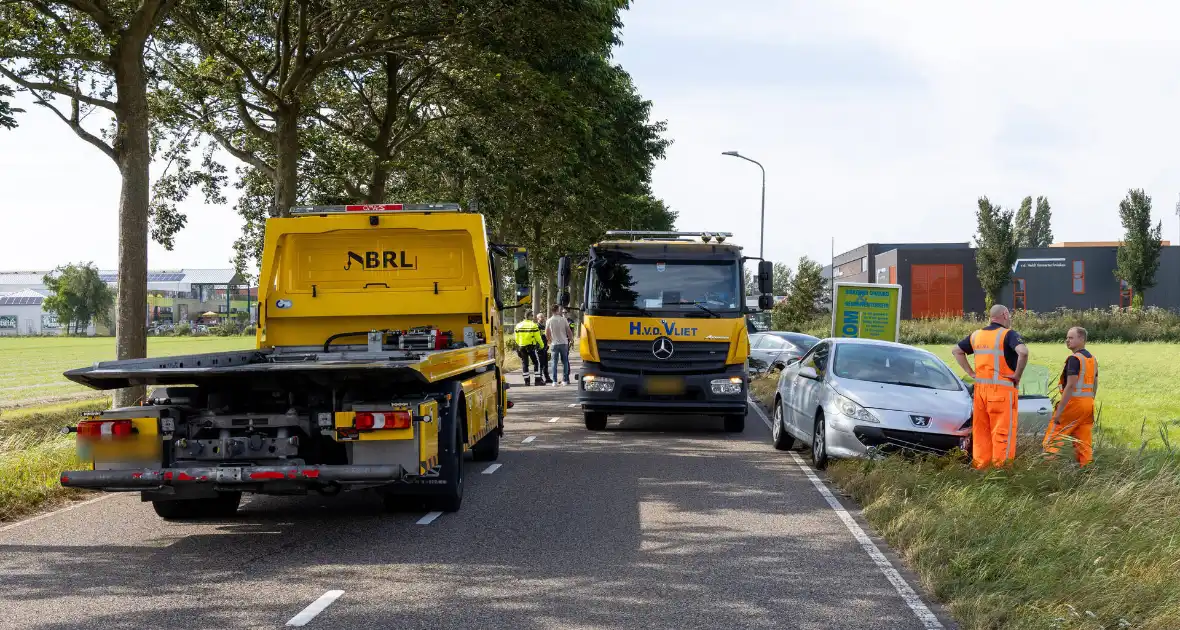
<point x="876" y="122"/>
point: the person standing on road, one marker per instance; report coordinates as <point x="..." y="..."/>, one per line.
<point x="1073" y="419"/>
<point x="528" y="340"/>
<point x="543" y="351"/>
<point x="1000" y="358"/>
<point x="557" y="329"/>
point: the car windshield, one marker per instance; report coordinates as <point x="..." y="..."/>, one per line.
<point x="896" y="365"/>
<point x="630" y="284"/>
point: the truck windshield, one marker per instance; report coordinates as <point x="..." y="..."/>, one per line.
<point x="631" y="284"/>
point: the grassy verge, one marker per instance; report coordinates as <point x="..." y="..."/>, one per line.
<point x="33" y="454"/>
<point x="1040" y="546"/>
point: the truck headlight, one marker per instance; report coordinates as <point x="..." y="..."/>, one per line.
<point x="731" y="385"/>
<point x="595" y="383"/>
<point x="856" y="412"/>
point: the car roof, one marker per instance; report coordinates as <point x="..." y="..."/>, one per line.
<point x="872" y="342"/>
<point x="786" y="334"/>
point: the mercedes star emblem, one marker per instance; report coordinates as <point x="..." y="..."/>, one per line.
<point x="662" y="348"/>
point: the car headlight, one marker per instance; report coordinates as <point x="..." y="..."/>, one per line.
<point x="732" y="385"/>
<point x="855" y="411"/>
<point x="595" y="383"/>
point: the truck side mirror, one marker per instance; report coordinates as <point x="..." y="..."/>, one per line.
<point x="564" y="299"/>
<point x="563" y="273"/>
<point x="765" y="302"/>
<point x="524" y="285"/>
<point x="765" y="277"/>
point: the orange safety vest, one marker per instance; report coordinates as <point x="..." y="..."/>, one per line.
<point x="990" y="366"/>
<point x="1089" y="371"/>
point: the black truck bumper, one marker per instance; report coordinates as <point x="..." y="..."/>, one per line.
<point x="631" y="393"/>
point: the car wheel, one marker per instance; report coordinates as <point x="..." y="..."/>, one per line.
<point x="783" y="440"/>
<point x="595" y="421"/>
<point x="819" y="443"/>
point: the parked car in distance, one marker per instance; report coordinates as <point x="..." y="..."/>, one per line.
<point x="771" y="350"/>
<point x="849" y="397"/>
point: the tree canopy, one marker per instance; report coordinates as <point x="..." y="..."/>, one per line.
<point x="1139" y="254"/>
<point x="79" y="296"/>
<point x="995" y="253"/>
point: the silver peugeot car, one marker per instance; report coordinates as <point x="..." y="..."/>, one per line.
<point x="849" y="397"/>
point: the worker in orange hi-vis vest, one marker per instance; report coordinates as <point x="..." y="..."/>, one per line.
<point x="1000" y="358"/>
<point x="1073" y="419"/>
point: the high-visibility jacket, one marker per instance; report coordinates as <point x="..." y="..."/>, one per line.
<point x="528" y="333"/>
<point x="1084" y="388"/>
<point x="990" y="366"/>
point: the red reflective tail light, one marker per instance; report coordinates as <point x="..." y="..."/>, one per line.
<point x="105" y="429"/>
<point x="375" y="420"/>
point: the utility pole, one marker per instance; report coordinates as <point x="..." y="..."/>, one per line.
<point x="762" y="228"/>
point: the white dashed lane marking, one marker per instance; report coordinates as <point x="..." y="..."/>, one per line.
<point x="315" y="608"/>
<point x="912" y="599"/>
<point x="552" y="420"/>
<point x="529" y="439"/>
<point x="429" y="518"/>
<point x="491" y="469"/>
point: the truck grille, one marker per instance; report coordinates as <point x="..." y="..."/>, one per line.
<point x="636" y="356"/>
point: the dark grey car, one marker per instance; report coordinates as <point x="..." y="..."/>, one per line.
<point x="772" y="349"/>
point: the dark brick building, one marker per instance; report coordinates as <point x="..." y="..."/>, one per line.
<point x="940" y="279"/>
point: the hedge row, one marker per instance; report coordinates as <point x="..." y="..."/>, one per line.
<point x="1113" y="325"/>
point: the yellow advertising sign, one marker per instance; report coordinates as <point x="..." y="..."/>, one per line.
<point x="867" y="311"/>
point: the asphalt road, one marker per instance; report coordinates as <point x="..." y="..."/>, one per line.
<point x="658" y="522"/>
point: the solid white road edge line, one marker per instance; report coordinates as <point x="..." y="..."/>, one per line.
<point x="929" y="619"/>
<point x="429" y="518"/>
<point x="552" y="420"/>
<point x="491" y="469"/>
<point x="315" y="608"/>
<point x="56" y="512"/>
<point x="529" y="439"/>
<point x="572" y="405"/>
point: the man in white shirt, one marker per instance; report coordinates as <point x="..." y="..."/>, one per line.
<point x="557" y="331"/>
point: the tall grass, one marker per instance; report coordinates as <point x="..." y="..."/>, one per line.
<point x="1111" y="325"/>
<point x="33" y="454"/>
<point x="1040" y="545"/>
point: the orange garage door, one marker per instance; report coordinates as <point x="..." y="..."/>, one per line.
<point x="936" y="291"/>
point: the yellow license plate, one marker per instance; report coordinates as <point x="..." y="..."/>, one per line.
<point x="664" y="385"/>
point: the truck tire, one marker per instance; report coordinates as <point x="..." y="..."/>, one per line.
<point x="487" y="449"/>
<point x="450" y="496"/>
<point x="735" y="424"/>
<point x="595" y="421"/>
<point x="225" y="504"/>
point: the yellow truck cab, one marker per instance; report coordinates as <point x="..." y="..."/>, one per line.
<point x="664" y="328"/>
<point x="378" y="364"/>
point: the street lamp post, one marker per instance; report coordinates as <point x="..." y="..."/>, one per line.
<point x="762" y="227"/>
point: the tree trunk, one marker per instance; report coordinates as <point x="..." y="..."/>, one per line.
<point x="287" y="159"/>
<point x="134" y="159"/>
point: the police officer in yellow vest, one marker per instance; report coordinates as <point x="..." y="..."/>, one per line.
<point x="529" y="342"/>
<point x="1073" y="419"/>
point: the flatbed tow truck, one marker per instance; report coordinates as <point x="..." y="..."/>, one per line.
<point x="378" y="364"/>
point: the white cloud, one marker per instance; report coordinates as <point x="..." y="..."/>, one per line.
<point x="1074" y="101"/>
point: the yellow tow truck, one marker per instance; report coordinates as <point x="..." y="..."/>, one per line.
<point x="664" y="328"/>
<point x="378" y="364"/>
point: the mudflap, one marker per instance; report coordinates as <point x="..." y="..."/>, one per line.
<point x="442" y="488"/>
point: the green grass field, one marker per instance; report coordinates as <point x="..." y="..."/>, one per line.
<point x="31" y="367"/>
<point x="1133" y="386"/>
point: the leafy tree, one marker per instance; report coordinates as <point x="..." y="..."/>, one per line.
<point x="1041" y="233"/>
<point x="91" y="53"/>
<point x="782" y="278"/>
<point x="995" y="251"/>
<point x="1023" y="230"/>
<point x="79" y="296"/>
<point x="7" y="120"/>
<point x="1139" y="255"/>
<point x="805" y="297"/>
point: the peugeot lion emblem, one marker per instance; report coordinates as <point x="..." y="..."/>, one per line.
<point x="662" y="348"/>
<point x="920" y="421"/>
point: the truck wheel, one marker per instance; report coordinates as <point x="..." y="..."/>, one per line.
<point x="487" y="449"/>
<point x="450" y="497"/>
<point x="735" y="424"/>
<point x="595" y="421"/>
<point x="225" y="504"/>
